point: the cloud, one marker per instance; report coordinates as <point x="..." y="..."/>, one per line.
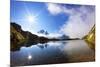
<point x="54" y="8"/>
<point x="54" y="35"/>
<point x="81" y="19"/>
<point x="80" y="22"/>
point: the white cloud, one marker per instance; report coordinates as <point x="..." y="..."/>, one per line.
<point x="80" y="22"/>
<point x="54" y="8"/>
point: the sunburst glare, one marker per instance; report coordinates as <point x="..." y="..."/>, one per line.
<point x="31" y="18"/>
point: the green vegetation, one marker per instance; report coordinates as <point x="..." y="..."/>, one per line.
<point x="90" y="38"/>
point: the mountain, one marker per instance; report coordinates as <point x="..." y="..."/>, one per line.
<point x="90" y="37"/>
<point x="20" y="38"/>
<point x="43" y="32"/>
<point x="64" y="37"/>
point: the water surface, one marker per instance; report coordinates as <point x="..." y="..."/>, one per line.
<point x="53" y="53"/>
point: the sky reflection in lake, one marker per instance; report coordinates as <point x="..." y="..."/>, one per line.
<point x="52" y="53"/>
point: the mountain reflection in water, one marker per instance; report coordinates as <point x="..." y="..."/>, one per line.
<point x="53" y="53"/>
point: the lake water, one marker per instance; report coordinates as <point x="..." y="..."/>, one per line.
<point x="53" y="53"/>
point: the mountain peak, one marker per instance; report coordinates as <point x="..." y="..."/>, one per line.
<point x="43" y="32"/>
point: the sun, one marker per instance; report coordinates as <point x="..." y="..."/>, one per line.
<point x="29" y="57"/>
<point x="31" y="18"/>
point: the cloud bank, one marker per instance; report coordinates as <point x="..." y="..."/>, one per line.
<point x="81" y="19"/>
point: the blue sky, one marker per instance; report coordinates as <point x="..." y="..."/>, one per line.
<point x="72" y="20"/>
<point x="20" y="11"/>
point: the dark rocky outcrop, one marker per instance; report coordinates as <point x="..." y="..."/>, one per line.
<point x="23" y="38"/>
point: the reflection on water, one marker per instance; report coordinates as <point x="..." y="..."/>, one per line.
<point x="52" y="53"/>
